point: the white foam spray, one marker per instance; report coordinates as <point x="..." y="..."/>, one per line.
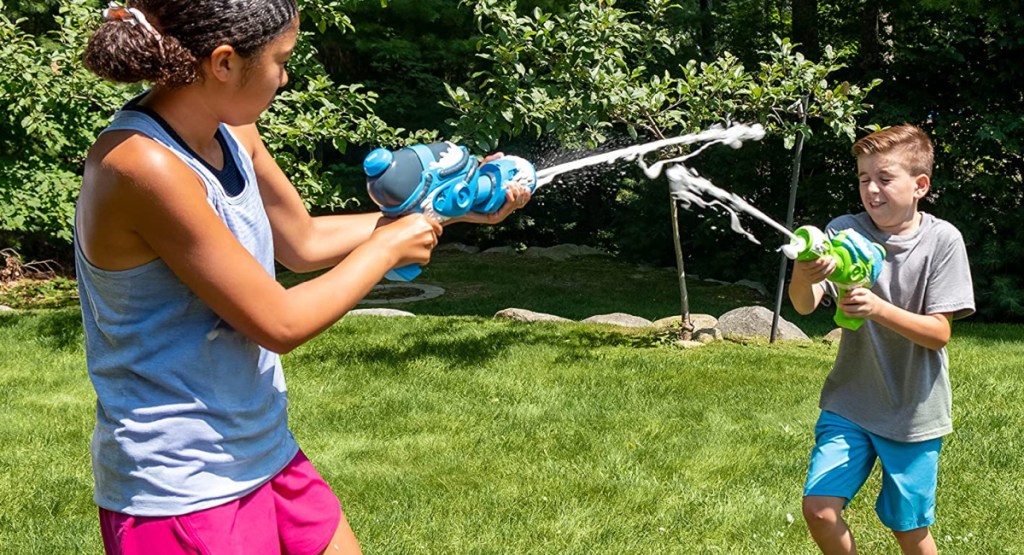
<point x="690" y="188"/>
<point x="732" y="136"/>
<point x="685" y="184"/>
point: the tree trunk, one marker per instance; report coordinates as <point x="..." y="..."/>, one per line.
<point x="686" y="331"/>
<point x="876" y="39"/>
<point x="794" y="182"/>
<point x="805" y="28"/>
<point x="707" y="26"/>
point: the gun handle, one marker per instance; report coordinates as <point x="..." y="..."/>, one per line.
<point x="408" y="272"/>
<point x="844" y="321"/>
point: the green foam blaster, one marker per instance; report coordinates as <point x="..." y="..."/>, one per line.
<point x="858" y="261"/>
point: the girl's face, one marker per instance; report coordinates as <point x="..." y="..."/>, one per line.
<point x="263" y="76"/>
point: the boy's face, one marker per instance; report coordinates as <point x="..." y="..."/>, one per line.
<point x="890" y="193"/>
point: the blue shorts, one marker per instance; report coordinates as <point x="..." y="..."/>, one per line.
<point x="844" y="454"/>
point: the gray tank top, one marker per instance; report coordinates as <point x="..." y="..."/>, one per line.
<point x="190" y="414"/>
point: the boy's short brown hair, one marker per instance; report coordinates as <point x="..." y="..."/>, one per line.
<point x="915" y="149"/>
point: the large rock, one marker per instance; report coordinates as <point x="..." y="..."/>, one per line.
<point x="619" y="319"/>
<point x="500" y="250"/>
<point x="833" y="336"/>
<point x="523" y="315"/>
<point x="750" y="322"/>
<point x="699" y="321"/>
<point x="707" y="335"/>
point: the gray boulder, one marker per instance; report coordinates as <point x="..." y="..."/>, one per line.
<point x="707" y="335"/>
<point x="523" y="315"/>
<point x="456" y="247"/>
<point x="699" y="321"/>
<point x="500" y="250"/>
<point x="749" y="322"/>
<point x="619" y="319"/>
<point x="563" y="252"/>
<point x="833" y="336"/>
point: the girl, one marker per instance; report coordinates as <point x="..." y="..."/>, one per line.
<point x="182" y="214"/>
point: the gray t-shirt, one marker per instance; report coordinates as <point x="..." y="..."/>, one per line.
<point x="881" y="380"/>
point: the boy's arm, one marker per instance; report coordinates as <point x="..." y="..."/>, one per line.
<point x="931" y="331"/>
<point x="805" y="291"/>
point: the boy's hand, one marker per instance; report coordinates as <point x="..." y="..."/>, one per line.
<point x="860" y="302"/>
<point x="813" y="271"/>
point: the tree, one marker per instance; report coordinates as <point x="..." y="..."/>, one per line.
<point x="595" y="79"/>
<point x="54" y="109"/>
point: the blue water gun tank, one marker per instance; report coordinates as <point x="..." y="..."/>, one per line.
<point x="442" y="180"/>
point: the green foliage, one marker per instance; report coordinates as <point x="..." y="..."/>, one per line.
<point x="31" y="294"/>
<point x="539" y="75"/>
<point x="54" y="108"/>
<point x="962" y="65"/>
<point x="603" y="72"/>
<point x="578" y="75"/>
<point x="405" y="53"/>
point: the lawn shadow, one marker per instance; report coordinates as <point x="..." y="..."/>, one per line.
<point x="60" y="329"/>
<point x="462" y="342"/>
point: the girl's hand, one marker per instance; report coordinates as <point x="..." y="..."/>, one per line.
<point x="515" y="198"/>
<point x="410" y="239"/>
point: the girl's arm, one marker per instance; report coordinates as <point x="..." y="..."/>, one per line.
<point x="161" y="202"/>
<point x="303" y="243"/>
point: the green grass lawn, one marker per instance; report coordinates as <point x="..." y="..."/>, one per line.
<point x="456" y="433"/>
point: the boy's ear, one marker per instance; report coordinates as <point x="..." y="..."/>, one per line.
<point x="922" y="185"/>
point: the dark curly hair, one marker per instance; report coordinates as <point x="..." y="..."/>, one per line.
<point x="188" y="32"/>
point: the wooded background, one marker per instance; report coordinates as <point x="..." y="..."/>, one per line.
<point x="553" y="81"/>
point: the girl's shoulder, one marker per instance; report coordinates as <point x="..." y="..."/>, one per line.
<point x="127" y="158"/>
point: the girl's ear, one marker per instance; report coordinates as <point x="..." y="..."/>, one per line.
<point x="922" y="185"/>
<point x="222" y="62"/>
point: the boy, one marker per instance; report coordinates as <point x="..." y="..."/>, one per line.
<point x="888" y="395"/>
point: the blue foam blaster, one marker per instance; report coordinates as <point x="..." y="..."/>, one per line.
<point x="442" y="180"/>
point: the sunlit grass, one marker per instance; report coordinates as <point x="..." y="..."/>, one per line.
<point x="470" y="435"/>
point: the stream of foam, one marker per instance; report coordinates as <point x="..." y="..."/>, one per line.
<point x="685" y="184"/>
<point x="732" y="136"/>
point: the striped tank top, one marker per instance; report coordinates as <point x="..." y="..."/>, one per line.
<point x="190" y="414"/>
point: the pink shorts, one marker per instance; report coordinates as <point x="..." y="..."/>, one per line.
<point x="294" y="513"/>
